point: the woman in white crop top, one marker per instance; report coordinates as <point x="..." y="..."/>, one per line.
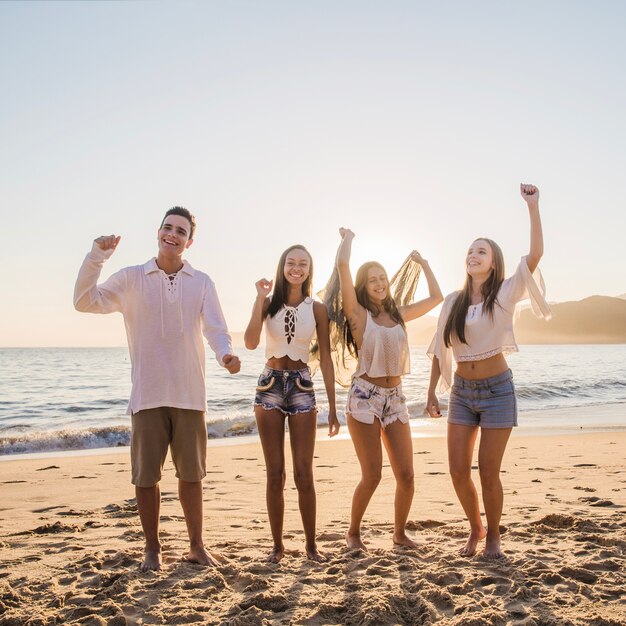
<point x="376" y="407"/>
<point x="476" y="327"/>
<point x="285" y="389"/>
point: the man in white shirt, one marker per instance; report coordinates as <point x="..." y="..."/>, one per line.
<point x="167" y="306"/>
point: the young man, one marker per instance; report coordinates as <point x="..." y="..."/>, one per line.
<point x="167" y="307"/>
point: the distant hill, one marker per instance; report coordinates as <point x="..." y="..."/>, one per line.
<point x="598" y="319"/>
<point x="622" y="297"/>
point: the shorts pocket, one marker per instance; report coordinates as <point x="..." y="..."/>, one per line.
<point x="304" y="385"/>
<point x="265" y="383"/>
<point x="361" y="394"/>
<point x="503" y="389"/>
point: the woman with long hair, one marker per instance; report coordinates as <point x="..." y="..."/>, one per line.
<point x="476" y="327"/>
<point x="285" y="389"/>
<point x="376" y="408"/>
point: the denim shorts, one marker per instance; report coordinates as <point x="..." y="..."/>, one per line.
<point x="289" y="391"/>
<point x="367" y="402"/>
<point x="488" y="402"/>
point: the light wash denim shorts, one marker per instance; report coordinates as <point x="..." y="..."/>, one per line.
<point x="488" y="402"/>
<point x="367" y="402"/>
<point x="288" y="391"/>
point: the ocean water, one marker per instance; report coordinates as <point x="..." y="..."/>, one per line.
<point x="75" y="398"/>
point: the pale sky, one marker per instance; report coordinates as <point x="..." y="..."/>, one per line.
<point x="411" y="123"/>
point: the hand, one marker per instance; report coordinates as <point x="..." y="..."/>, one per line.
<point x="333" y="423"/>
<point x="232" y="363"/>
<point x="263" y="287"/>
<point x="346" y="232"/>
<point x="530" y="193"/>
<point x="107" y="242"/>
<point x="416" y="257"/>
<point x="432" y="406"/>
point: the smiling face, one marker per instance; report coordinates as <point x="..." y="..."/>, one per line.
<point x="377" y="284"/>
<point x="480" y="259"/>
<point x="173" y="236"/>
<point x="297" y="266"/>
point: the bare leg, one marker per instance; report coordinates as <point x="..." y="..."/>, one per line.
<point x="399" y="445"/>
<point x="461" y="440"/>
<point x="366" y="440"/>
<point x="271" y="426"/>
<point x="190" y="495"/>
<point x="148" y="506"/>
<point x="490" y="453"/>
<point x="302" y="428"/>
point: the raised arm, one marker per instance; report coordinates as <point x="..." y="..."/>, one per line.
<point x="530" y="193"/>
<point x="89" y="296"/>
<point x="435" y="297"/>
<point x="252" y="336"/>
<point x="326" y="364"/>
<point x="354" y="312"/>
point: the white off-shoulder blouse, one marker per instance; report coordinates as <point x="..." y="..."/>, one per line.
<point x="487" y="336"/>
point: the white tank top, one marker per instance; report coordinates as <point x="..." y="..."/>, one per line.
<point x="290" y="331"/>
<point x="384" y="351"/>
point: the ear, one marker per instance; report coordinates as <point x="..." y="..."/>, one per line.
<point x="188" y="243"/>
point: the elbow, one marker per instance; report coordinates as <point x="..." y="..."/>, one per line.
<point x="251" y="343"/>
<point x="438" y="298"/>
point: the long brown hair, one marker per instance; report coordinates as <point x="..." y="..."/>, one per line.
<point x="455" y="324"/>
<point x="388" y="304"/>
<point x="280" y="289"/>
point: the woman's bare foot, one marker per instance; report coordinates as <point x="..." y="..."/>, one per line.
<point x="200" y="555"/>
<point x="313" y="554"/>
<point x="276" y="554"/>
<point x="472" y="542"/>
<point x="354" y="542"/>
<point x="492" y="547"/>
<point x="405" y="541"/>
<point x="151" y="561"/>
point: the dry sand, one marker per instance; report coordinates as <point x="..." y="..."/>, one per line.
<point x="70" y="543"/>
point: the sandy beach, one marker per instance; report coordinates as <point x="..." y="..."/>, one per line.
<point x="70" y="543"/>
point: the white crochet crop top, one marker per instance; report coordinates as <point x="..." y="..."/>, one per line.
<point x="290" y="331"/>
<point x="487" y="336"/>
<point x="384" y="351"/>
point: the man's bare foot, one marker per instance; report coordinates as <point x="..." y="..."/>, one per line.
<point x="276" y="554"/>
<point x="151" y="561"/>
<point x="472" y="541"/>
<point x="354" y="542"/>
<point x="198" y="554"/>
<point x="492" y="548"/>
<point x="313" y="554"/>
<point x="405" y="541"/>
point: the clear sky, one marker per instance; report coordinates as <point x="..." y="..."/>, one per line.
<point x="412" y="123"/>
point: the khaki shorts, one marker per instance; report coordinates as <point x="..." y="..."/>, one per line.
<point x="154" y="430"/>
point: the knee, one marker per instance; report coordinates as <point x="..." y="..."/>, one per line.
<point x="406" y="479"/>
<point x="371" y="480"/>
<point x="303" y="479"/>
<point x="276" y="480"/>
<point x="489" y="477"/>
<point x="460" y="473"/>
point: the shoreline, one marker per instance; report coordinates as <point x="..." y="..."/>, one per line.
<point x="583" y="419"/>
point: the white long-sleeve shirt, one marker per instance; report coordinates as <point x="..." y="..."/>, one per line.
<point x="165" y="320"/>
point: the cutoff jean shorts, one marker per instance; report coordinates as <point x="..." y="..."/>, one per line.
<point x="368" y="402"/>
<point x="488" y="402"/>
<point x="288" y="391"/>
